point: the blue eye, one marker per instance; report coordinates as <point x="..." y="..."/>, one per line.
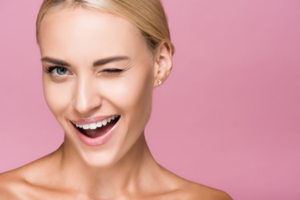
<point x="57" y="70"/>
<point x="60" y="70"/>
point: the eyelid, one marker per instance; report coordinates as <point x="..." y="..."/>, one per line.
<point x="51" y="68"/>
<point x="55" y="76"/>
<point x="115" y="70"/>
<point x="120" y="69"/>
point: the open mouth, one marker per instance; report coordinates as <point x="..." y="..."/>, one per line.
<point x="98" y="129"/>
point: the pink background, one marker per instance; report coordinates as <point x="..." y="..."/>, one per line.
<point x="228" y="116"/>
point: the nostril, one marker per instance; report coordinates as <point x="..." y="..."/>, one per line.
<point x="84" y="104"/>
<point x="87" y="96"/>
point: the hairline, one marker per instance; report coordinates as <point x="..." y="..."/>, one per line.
<point x="74" y="5"/>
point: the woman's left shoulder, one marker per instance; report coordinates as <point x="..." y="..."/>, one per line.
<point x="195" y="191"/>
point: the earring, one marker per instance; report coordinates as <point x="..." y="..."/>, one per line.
<point x="159" y="82"/>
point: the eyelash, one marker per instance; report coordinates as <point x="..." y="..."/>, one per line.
<point x="50" y="69"/>
<point x="110" y="71"/>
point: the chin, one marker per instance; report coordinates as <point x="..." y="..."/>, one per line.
<point x="103" y="155"/>
<point x="102" y="159"/>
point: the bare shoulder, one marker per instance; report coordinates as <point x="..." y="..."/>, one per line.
<point x="187" y="190"/>
<point x="195" y="191"/>
<point x="10" y="182"/>
<point x="16" y="184"/>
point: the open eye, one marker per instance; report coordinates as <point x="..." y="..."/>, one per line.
<point x="60" y="71"/>
<point x="57" y="72"/>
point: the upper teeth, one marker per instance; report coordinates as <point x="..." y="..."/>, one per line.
<point x="98" y="124"/>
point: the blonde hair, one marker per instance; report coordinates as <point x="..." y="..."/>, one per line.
<point x="147" y="15"/>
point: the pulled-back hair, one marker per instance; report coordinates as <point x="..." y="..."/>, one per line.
<point x="147" y="15"/>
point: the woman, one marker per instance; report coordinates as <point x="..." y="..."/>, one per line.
<point x="101" y="61"/>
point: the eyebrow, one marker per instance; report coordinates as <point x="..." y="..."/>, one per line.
<point x="95" y="64"/>
<point x="109" y="60"/>
<point x="55" y="61"/>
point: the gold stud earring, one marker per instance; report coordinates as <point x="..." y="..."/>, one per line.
<point x="159" y="82"/>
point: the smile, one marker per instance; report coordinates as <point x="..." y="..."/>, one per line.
<point x="96" y="131"/>
<point x="98" y="124"/>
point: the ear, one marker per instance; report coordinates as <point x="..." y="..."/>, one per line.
<point x="163" y="63"/>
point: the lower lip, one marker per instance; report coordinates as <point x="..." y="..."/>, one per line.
<point x="99" y="140"/>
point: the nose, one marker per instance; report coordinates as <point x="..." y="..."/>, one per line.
<point x="86" y="99"/>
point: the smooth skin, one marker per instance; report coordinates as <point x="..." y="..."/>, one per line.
<point x="123" y="168"/>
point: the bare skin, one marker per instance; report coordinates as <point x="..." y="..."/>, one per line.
<point x="158" y="183"/>
<point x="122" y="168"/>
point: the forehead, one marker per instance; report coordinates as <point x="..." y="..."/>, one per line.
<point x="87" y="33"/>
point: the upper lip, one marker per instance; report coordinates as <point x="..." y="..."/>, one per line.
<point x="91" y="120"/>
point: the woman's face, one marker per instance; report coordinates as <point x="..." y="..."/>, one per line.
<point x="96" y="66"/>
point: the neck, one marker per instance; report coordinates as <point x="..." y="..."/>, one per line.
<point x="128" y="175"/>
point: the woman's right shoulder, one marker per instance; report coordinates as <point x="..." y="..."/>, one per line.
<point x="12" y="185"/>
<point x="15" y="184"/>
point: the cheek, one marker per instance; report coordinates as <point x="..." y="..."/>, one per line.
<point x="131" y="92"/>
<point x="57" y="95"/>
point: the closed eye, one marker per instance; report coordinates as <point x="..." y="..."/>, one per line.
<point x="111" y="71"/>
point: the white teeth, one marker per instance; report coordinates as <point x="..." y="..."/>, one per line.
<point x="93" y="126"/>
<point x="98" y="124"/>
<point x="86" y="126"/>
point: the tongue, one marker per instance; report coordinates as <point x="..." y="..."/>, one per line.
<point x="99" y="131"/>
